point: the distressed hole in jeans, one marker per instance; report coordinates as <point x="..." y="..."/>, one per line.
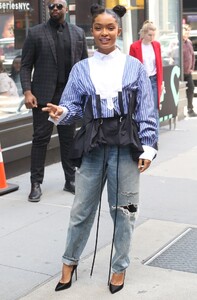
<point x="128" y="209"/>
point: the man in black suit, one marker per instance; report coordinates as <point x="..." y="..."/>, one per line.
<point x="49" y="52"/>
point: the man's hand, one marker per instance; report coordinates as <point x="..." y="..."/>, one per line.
<point x="30" y="100"/>
<point x="143" y="164"/>
<point x="53" y="110"/>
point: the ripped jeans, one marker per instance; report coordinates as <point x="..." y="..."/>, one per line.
<point x="89" y="183"/>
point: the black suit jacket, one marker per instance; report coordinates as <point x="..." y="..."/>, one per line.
<point x="39" y="56"/>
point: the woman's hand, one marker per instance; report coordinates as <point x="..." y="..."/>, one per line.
<point x="143" y="164"/>
<point x="54" y="111"/>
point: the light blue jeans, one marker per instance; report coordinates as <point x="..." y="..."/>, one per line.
<point x="89" y="183"/>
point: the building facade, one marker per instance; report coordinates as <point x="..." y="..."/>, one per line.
<point x="17" y="16"/>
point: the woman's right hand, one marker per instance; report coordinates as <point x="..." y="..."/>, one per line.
<point x="54" y="111"/>
<point x="30" y="100"/>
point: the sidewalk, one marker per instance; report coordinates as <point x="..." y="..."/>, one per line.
<point x="141" y="283"/>
<point x="32" y="235"/>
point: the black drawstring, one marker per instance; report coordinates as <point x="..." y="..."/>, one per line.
<point x="98" y="103"/>
<point x="99" y="213"/>
<point x="99" y="111"/>
<point x="115" y="218"/>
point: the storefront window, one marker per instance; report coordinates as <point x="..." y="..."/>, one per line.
<point x="137" y="17"/>
<point x="15" y="19"/>
<point x="166" y="16"/>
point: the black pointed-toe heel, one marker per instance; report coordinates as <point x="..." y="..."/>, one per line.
<point x="116" y="288"/>
<point x="63" y="286"/>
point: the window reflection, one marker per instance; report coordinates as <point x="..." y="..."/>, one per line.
<point x="15" y="19"/>
<point x="11" y="96"/>
<point x="165" y="15"/>
<point x="170" y="49"/>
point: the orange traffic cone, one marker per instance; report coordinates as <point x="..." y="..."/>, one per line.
<point x="4" y="186"/>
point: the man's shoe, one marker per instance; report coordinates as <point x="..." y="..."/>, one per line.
<point x="35" y="193"/>
<point x="191" y="113"/>
<point x="69" y="187"/>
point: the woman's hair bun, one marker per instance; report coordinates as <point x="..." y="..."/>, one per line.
<point x="147" y="22"/>
<point x="120" y="10"/>
<point x="96" y="9"/>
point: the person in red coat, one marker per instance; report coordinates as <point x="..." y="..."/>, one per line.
<point x="148" y="51"/>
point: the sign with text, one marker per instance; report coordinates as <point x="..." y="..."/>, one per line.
<point x="14" y="6"/>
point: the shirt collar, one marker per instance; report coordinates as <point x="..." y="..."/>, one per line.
<point x="55" y="24"/>
<point x="102" y="56"/>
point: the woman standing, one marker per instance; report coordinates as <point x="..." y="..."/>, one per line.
<point x="15" y="74"/>
<point x="148" y="51"/>
<point x="112" y="93"/>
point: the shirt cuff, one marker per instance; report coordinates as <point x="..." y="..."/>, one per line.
<point x="63" y="115"/>
<point x="149" y="153"/>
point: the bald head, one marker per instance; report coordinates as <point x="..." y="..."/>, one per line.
<point x="64" y="2"/>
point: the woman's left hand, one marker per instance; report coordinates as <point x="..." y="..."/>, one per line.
<point x="143" y="164"/>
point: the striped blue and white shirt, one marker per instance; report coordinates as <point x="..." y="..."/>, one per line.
<point x="106" y="75"/>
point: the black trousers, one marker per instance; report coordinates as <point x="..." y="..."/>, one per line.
<point x="189" y="90"/>
<point x="42" y="131"/>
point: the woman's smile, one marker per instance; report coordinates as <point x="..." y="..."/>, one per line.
<point x="104" y="40"/>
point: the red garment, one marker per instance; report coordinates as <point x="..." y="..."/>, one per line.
<point x="136" y="51"/>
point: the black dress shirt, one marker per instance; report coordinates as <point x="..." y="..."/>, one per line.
<point x="61" y="38"/>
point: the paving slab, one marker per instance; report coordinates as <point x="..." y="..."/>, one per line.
<point x="142" y="282"/>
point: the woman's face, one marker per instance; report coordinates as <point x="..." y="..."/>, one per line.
<point x="105" y="31"/>
<point x="17" y="64"/>
<point x="149" y="36"/>
<point x="8" y="30"/>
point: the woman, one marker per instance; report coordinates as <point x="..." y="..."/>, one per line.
<point x="101" y="89"/>
<point x="15" y="74"/>
<point x="148" y="51"/>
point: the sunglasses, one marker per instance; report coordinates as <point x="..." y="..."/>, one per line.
<point x="53" y="5"/>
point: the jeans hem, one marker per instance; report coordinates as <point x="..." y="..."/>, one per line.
<point x="69" y="262"/>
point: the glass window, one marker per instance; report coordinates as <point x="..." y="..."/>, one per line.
<point x="137" y="17"/>
<point x="15" y="19"/>
<point x="190" y="17"/>
<point x="166" y="16"/>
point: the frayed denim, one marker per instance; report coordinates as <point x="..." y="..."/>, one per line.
<point x="102" y="163"/>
